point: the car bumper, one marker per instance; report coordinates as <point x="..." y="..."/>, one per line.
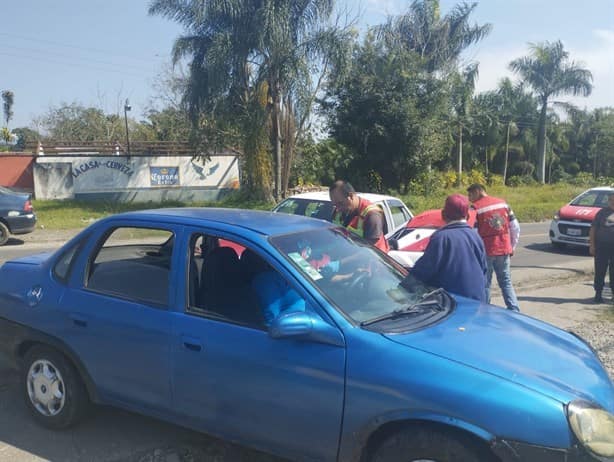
<point x="513" y="451"/>
<point x="22" y="224"/>
<point x="569" y="232"/>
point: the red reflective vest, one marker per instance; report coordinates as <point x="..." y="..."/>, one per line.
<point x="356" y="224"/>
<point x="493" y="223"/>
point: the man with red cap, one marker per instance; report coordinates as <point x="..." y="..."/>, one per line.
<point x="455" y="258"/>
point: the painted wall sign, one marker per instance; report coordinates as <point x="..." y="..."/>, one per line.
<point x="93" y="164"/>
<point x="164" y="176"/>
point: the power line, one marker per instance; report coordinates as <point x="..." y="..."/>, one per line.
<point x="95" y="50"/>
<point x="80" y="66"/>
<point x="95" y="61"/>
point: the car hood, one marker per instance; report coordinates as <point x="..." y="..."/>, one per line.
<point x="517" y="348"/>
<point x="578" y="212"/>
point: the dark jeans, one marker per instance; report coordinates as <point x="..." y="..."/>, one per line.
<point x="604" y="257"/>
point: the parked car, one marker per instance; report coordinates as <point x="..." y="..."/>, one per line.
<point x="158" y="312"/>
<point x="16" y="214"/>
<point x="318" y="205"/>
<point x="409" y="242"/>
<point x="572" y="223"/>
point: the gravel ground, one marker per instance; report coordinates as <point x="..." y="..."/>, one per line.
<point x="600" y="334"/>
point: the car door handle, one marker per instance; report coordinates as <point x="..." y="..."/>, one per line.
<point x="78" y="321"/>
<point x="191" y="343"/>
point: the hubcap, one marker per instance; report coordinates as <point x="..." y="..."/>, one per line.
<point x="46" y="388"/>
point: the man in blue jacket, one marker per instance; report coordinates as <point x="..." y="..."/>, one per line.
<point x="455" y="258"/>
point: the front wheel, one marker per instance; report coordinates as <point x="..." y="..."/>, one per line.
<point x="420" y="445"/>
<point x="52" y="388"/>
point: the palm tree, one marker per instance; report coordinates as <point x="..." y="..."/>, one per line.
<point x="7" y="103"/>
<point x="438" y="40"/>
<point x="550" y="73"/>
<point x="251" y="62"/>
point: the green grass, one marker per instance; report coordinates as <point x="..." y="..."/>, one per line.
<point x="530" y="203"/>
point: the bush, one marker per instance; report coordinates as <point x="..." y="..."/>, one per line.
<point x="521" y="180"/>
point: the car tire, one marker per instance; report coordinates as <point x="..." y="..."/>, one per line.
<point x="428" y="445"/>
<point x="52" y="388"/>
<point x="4" y="233"/>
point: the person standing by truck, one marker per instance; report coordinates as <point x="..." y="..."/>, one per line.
<point x="358" y="215"/>
<point x="500" y="232"/>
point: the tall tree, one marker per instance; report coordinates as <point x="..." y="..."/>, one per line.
<point x="8" y="99"/>
<point x="549" y="72"/>
<point x="253" y="61"/>
<point x="439" y="40"/>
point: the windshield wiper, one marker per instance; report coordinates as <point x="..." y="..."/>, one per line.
<point x="431" y="301"/>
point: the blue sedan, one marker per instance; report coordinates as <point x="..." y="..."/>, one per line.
<point x="289" y="335"/>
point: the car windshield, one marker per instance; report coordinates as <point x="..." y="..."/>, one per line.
<point x="359" y="280"/>
<point x="592" y="199"/>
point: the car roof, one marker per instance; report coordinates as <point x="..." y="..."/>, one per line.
<point x="324" y="196"/>
<point x="602" y="188"/>
<point x="263" y="222"/>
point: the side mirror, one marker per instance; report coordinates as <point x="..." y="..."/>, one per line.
<point x="305" y="325"/>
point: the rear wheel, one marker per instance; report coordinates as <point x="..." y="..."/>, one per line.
<point x="4" y="233"/>
<point x="52" y="388"/>
<point x="425" y="445"/>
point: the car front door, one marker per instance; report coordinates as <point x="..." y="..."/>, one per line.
<point x="117" y="316"/>
<point x="231" y="378"/>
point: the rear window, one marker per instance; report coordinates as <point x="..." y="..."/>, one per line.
<point x="134" y="264"/>
<point x="307" y="208"/>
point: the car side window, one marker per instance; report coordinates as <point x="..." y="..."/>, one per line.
<point x="589" y="199"/>
<point x="235" y="284"/>
<point x="61" y="269"/>
<point x="133" y="263"/>
<point x="399" y="213"/>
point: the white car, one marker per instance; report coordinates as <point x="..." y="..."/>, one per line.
<point x="318" y="205"/>
<point x="572" y="223"/>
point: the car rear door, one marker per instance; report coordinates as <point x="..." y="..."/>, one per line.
<point x="231" y="378"/>
<point x="117" y="318"/>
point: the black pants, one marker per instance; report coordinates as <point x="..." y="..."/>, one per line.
<point x="604" y="257"/>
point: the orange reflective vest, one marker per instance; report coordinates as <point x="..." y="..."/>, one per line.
<point x="356" y="224"/>
<point x="493" y="223"/>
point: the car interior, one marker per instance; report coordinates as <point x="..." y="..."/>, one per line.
<point x="220" y="281"/>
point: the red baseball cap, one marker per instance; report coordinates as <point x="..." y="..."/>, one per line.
<point x="456" y="207"/>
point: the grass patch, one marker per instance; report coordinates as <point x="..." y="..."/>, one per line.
<point x="530" y="203"/>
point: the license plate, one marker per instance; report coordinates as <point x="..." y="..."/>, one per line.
<point x="574" y="232"/>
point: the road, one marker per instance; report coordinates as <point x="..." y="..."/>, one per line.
<point x="534" y="250"/>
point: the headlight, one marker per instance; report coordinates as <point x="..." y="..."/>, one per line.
<point x="556" y="216"/>
<point x="593" y="426"/>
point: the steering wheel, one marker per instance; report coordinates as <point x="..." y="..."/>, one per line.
<point x="360" y="281"/>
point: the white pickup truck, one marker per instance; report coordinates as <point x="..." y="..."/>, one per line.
<point x="318" y="205"/>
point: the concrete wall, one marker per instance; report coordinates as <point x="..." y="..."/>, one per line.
<point x="132" y="178"/>
<point x="16" y="171"/>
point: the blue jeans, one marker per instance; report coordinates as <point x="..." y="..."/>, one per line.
<point x="501" y="266"/>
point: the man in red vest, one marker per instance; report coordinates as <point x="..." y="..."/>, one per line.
<point x="358" y="215"/>
<point x="500" y="232"/>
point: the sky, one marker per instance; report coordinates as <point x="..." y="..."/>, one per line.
<point x="102" y="52"/>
